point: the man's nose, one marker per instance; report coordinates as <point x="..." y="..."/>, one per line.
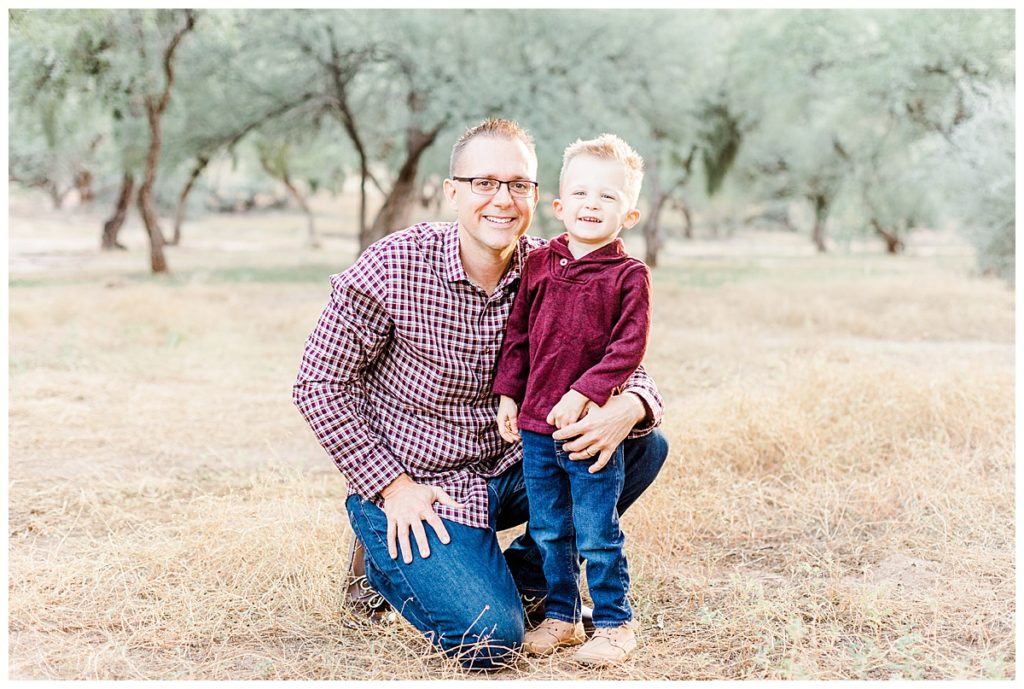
<point x="503" y="195"/>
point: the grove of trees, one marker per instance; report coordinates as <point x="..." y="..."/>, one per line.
<point x="872" y="122"/>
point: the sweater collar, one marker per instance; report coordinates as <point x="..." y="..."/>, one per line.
<point x="609" y="253"/>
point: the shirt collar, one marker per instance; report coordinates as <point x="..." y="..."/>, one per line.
<point x="454" y="270"/>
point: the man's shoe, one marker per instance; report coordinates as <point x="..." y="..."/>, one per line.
<point x="609" y="645"/>
<point x="552" y="634"/>
<point x="359" y="596"/>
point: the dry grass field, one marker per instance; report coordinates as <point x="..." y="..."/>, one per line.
<point x="838" y="502"/>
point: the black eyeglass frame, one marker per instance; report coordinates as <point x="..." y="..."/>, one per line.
<point x="508" y="185"/>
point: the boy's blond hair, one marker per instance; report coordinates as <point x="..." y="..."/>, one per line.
<point x="609" y="147"/>
<point x="494" y="127"/>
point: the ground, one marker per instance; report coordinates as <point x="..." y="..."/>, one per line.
<point x="838" y="501"/>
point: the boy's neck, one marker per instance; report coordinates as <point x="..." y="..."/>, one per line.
<point x="579" y="249"/>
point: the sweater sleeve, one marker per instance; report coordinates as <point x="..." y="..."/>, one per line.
<point x="627" y="343"/>
<point x="514" y="361"/>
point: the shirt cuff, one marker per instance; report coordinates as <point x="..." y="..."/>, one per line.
<point x="371" y="475"/>
<point x="652" y="412"/>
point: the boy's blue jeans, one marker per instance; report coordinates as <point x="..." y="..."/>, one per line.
<point x="465" y="597"/>
<point x="573" y="515"/>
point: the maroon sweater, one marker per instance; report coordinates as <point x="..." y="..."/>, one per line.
<point x="576" y="323"/>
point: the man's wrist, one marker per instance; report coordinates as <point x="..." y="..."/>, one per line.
<point x="400" y="481"/>
<point x="641" y="408"/>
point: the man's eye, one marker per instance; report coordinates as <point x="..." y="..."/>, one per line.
<point x="486" y="183"/>
<point x="519" y="186"/>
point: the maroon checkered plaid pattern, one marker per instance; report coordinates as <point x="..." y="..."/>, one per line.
<point x="396" y="375"/>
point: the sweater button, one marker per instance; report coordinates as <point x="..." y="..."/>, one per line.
<point x="563" y="261"/>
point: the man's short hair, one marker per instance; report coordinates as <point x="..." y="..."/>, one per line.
<point x="609" y="147"/>
<point x="493" y="127"/>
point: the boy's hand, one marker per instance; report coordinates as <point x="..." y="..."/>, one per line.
<point x="508" y="419"/>
<point x="568" y="410"/>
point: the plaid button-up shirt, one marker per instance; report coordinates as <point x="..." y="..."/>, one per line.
<point x="396" y="376"/>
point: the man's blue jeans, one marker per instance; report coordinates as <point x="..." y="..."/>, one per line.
<point x="465" y="597"/>
<point x="573" y="515"/>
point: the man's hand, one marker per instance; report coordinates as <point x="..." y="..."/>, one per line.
<point x="602" y="429"/>
<point x="508" y="419"/>
<point x="407" y="505"/>
<point x="568" y="410"/>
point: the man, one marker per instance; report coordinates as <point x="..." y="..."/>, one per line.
<point x="396" y="383"/>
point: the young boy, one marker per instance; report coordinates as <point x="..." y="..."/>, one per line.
<point x="578" y="329"/>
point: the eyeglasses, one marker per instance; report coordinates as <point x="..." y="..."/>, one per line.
<point x="485" y="186"/>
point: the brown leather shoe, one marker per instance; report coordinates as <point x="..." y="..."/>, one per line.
<point x="533" y="606"/>
<point x="359" y="596"/>
<point x="552" y="634"/>
<point x="609" y="646"/>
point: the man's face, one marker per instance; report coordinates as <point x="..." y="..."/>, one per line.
<point x="492" y="223"/>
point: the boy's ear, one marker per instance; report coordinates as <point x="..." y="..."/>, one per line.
<point x="558" y="206"/>
<point x="632" y="218"/>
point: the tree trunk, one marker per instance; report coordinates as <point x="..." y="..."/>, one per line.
<point x="56" y="195"/>
<point x="179" y="212"/>
<point x="394" y="213"/>
<point x="83" y="183"/>
<point x="157" y="262"/>
<point x="652" y="229"/>
<point x="314" y="241"/>
<point x="154" y="109"/>
<point x="893" y="244"/>
<point x="687" y="219"/>
<point x="113" y="226"/>
<point x="821" y="208"/>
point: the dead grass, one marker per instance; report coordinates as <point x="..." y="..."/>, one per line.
<point x="838" y="503"/>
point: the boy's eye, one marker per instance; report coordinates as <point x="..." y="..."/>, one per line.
<point x="608" y="196"/>
<point x="578" y="193"/>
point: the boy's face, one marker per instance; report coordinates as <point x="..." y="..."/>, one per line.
<point x="593" y="206"/>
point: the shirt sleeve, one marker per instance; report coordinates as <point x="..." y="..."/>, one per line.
<point x="626" y="343"/>
<point x="642" y="385"/>
<point x="514" y="361"/>
<point x="353" y="331"/>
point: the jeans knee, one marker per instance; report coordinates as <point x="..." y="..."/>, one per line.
<point x="491" y="643"/>
<point x="490" y="655"/>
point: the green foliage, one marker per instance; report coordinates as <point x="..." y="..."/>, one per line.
<point x="981" y="182"/>
<point x="864" y="116"/>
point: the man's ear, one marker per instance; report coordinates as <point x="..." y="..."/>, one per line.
<point x="632" y="218"/>
<point x="449" y="192"/>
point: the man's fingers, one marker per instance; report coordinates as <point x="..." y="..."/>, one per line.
<point x="442" y="497"/>
<point x="602" y="459"/>
<point x="438" y="526"/>
<point x="392" y="545"/>
<point x="403" y="542"/>
<point x="421" y="539"/>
